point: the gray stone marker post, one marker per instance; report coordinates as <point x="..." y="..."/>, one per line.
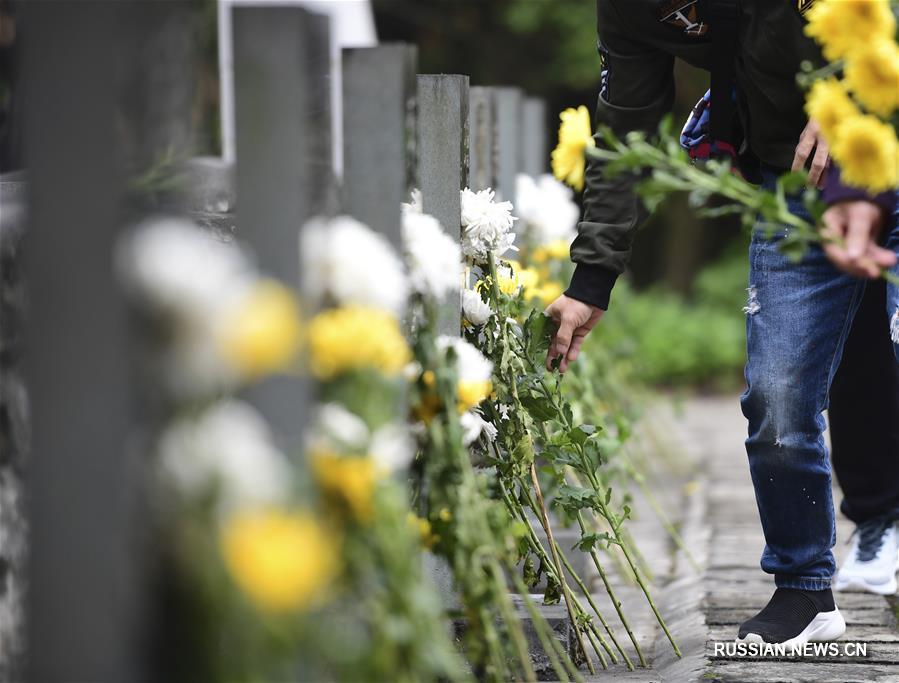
<point x="83" y="620"/>
<point x="534" y="156"/>
<point x="482" y="144"/>
<point x="443" y="162"/>
<point x="379" y="134"/>
<point x="508" y="140"/>
<point x="283" y="159"/>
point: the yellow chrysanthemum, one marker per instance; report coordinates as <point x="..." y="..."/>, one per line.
<point x="282" y="561"/>
<point x="549" y="292"/>
<point x="423" y="528"/>
<point x="262" y="333"/>
<point x="829" y="104"/>
<point x="842" y="26"/>
<point x="558" y="249"/>
<point x="868" y="153"/>
<point x="347" y="481"/>
<point x="872" y="74"/>
<point x="471" y="392"/>
<point x="355" y="337"/>
<point x="575" y="135"/>
<point x="530" y="281"/>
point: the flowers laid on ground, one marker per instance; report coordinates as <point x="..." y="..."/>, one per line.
<point x="280" y="546"/>
<point x="861" y="133"/>
<point x="277" y="547"/>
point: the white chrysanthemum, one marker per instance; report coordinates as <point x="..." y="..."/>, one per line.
<point x="392" y="447"/>
<point x="194" y="280"/>
<point x="546" y="208"/>
<point x="471" y="364"/>
<point x="434" y="258"/>
<point x="416" y="205"/>
<point x="336" y="428"/>
<point x="348" y="263"/>
<point x="228" y="448"/>
<point x="334" y="422"/>
<point x="174" y="265"/>
<point x="474" y="308"/>
<point x="486" y="225"/>
<point x="473" y="426"/>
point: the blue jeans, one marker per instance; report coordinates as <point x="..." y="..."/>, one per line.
<point x="797" y="319"/>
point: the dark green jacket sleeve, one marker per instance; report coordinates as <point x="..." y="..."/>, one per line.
<point x="637" y="90"/>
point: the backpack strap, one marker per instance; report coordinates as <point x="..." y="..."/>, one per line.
<point x="722" y="17"/>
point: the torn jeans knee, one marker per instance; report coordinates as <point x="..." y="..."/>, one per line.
<point x="752" y="301"/>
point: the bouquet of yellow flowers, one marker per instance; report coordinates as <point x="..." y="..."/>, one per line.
<point x="856" y="104"/>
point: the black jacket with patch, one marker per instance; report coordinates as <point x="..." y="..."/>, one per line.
<point x="638" y="41"/>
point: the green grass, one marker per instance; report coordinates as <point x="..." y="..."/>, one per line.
<point x="671" y="340"/>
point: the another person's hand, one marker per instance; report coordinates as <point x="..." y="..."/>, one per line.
<point x="857" y="225"/>
<point x="574" y="319"/>
<point x="811" y="139"/>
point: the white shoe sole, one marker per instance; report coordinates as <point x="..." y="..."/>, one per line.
<point x="860" y="583"/>
<point x="826" y="626"/>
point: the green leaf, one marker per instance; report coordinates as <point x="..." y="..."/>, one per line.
<point x="588" y="541"/>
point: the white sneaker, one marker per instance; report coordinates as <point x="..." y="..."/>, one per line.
<point x="873" y="559"/>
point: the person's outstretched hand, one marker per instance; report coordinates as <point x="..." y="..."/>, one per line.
<point x="574" y="319"/>
<point x="857" y="224"/>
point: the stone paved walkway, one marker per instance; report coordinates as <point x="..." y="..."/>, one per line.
<point x="712" y="501"/>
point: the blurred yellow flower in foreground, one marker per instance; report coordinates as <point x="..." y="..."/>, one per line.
<point x="423" y="528"/>
<point x="356" y="337"/>
<point x="841" y="26"/>
<point x="471" y="392"/>
<point x="575" y="135"/>
<point x="347" y="481"/>
<point x="553" y="251"/>
<point x="868" y="153"/>
<point x="549" y="292"/>
<point x="829" y="104"/>
<point x="262" y="334"/>
<point x="282" y="561"/>
<point x="872" y="73"/>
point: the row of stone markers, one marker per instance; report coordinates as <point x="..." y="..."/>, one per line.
<point x="90" y="550"/>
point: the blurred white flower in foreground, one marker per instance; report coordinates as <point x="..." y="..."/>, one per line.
<point x="191" y="281"/>
<point x="173" y="264"/>
<point x="474" y="308"/>
<point x="348" y="263"/>
<point x="227" y="448"/>
<point x="434" y="258"/>
<point x="392" y="447"/>
<point x="486" y="225"/>
<point x="335" y="422"/>
<point x="336" y="428"/>
<point x="546" y="208"/>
